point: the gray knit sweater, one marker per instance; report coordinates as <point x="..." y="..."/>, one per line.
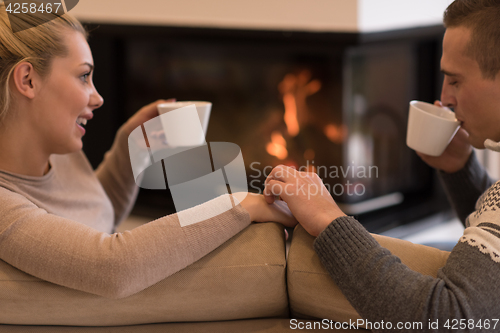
<point x="386" y="293"/>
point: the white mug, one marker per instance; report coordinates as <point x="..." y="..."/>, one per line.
<point x="430" y="128"/>
<point x="186" y="127"/>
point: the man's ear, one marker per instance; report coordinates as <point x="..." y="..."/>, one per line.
<point x="24" y="75"/>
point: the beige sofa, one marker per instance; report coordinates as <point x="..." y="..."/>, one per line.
<point x="246" y="285"/>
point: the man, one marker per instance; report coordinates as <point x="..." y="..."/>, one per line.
<point x="465" y="289"/>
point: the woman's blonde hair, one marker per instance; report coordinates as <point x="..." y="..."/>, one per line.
<point x="39" y="39"/>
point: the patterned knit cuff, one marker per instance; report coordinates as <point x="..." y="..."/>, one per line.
<point x="343" y="242"/>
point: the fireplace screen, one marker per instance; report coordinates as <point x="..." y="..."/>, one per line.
<point x="337" y="110"/>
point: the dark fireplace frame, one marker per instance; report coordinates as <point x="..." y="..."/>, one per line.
<point x="109" y="45"/>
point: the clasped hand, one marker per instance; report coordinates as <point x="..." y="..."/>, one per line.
<point x="306" y="196"/>
<point x="302" y="194"/>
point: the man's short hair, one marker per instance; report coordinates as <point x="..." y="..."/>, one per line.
<point x="482" y="17"/>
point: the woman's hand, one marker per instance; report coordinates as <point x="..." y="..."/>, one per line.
<point x="146" y="113"/>
<point x="306" y="196"/>
<point x="261" y="211"/>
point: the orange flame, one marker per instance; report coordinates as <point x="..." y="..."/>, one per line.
<point x="334" y="133"/>
<point x="277" y="146"/>
<point x="290" y="116"/>
<point x="295" y="89"/>
<point x="309" y="154"/>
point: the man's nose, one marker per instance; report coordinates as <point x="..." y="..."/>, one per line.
<point x="447" y="97"/>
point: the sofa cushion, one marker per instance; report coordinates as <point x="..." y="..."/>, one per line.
<point x="314" y="295"/>
<point x="243" y="278"/>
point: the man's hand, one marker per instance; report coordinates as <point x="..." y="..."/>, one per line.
<point x="306" y="196"/>
<point x="455" y="155"/>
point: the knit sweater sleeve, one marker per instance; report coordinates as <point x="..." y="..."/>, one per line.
<point x="463" y="188"/>
<point x="71" y="254"/>
<point x="381" y="288"/>
<point x="116" y="177"/>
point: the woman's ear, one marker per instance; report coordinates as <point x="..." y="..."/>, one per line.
<point x="24" y="75"/>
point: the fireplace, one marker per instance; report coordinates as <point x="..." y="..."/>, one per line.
<point x="331" y="103"/>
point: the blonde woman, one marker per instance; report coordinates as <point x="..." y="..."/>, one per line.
<point x="56" y="213"/>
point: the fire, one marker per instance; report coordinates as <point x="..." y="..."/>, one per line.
<point x="295" y="90"/>
<point x="334" y="133"/>
<point x="290" y="116"/>
<point x="309" y="154"/>
<point x="277" y="146"/>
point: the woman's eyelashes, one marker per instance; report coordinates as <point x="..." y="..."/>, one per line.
<point x="85" y="77"/>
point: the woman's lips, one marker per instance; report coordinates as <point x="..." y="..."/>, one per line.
<point x="82" y="121"/>
<point x="82" y="130"/>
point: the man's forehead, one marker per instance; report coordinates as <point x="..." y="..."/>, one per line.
<point x="456" y="40"/>
<point x="456" y="57"/>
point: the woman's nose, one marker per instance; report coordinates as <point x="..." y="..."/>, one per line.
<point x="96" y="100"/>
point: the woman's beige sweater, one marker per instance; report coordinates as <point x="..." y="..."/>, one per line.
<point x="59" y="227"/>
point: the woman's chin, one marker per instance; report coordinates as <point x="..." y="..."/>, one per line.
<point x="68" y="149"/>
